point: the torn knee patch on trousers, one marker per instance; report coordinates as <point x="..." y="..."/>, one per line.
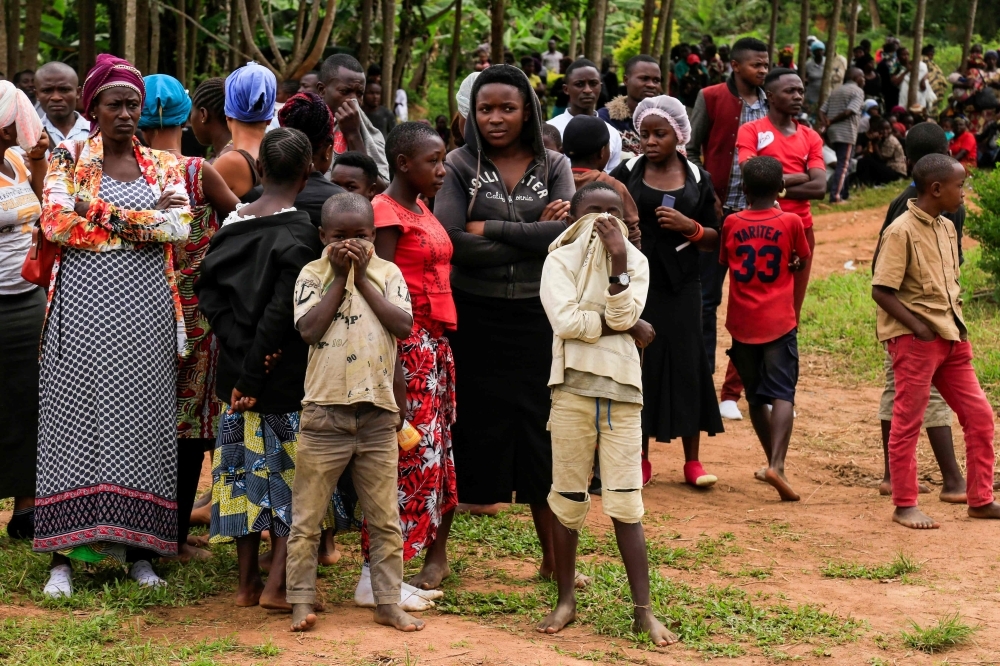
<point x="570" y="513"/>
<point x="623" y="505"/>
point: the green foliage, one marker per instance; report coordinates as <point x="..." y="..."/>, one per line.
<point x="629" y="46"/>
<point x="983" y="222"/>
<point x="899" y="567"/>
<point x="947" y="633"/>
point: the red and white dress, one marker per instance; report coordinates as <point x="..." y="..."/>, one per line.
<point x="427" y="487"/>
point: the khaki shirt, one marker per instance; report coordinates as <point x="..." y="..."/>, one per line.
<point x="918" y="257"/>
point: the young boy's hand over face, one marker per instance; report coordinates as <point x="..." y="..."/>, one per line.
<point x="340" y="258"/>
<point x="611" y="236"/>
<point x="359" y="257"/>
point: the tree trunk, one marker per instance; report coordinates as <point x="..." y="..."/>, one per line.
<point x="456" y="50"/>
<point x="970" y="27"/>
<point x="852" y="31"/>
<point x="648" y="10"/>
<point x="32" y="31"/>
<point x="407" y="34"/>
<point x="14" y="36"/>
<point x="803" y="33"/>
<point x="498" y="10"/>
<point x="88" y="52"/>
<point x="574" y="36"/>
<point x="661" y="29"/>
<point x="916" y="59"/>
<point x="668" y="33"/>
<point x="128" y="32"/>
<point x="181" y="35"/>
<point x="4" y="71"/>
<point x="873" y="10"/>
<point x="154" y="36"/>
<point x="772" y="34"/>
<point x="831" y="39"/>
<point x="235" y="35"/>
<point x="365" y="52"/>
<point x="596" y="22"/>
<point x="192" y="43"/>
<point x="388" y="50"/>
<point x="142" y="36"/>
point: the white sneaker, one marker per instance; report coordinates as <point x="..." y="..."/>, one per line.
<point x="729" y="410"/>
<point x="60" y="582"/>
<point x="411" y="599"/>
<point x="142" y="573"/>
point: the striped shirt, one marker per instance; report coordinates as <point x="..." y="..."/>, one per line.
<point x="847" y="96"/>
<point x="735" y="199"/>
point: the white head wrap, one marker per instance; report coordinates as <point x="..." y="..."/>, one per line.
<point x="464" y="94"/>
<point x="666" y="107"/>
<point x="16" y="108"/>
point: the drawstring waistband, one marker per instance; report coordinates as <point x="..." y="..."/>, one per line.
<point x="597" y="414"/>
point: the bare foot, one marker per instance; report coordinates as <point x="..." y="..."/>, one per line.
<point x="759" y="474"/>
<point x="560" y="616"/>
<point x="954" y="496"/>
<point x="391" y="615"/>
<point x="479" y="509"/>
<point x="197" y="541"/>
<point x="430" y="576"/>
<point x="330" y="558"/>
<point x="202" y="515"/>
<point x="885" y="488"/>
<point x="275" y="602"/>
<point x="303" y="617"/>
<point x="780" y="483"/>
<point x="914" y="518"/>
<point x="187" y="552"/>
<point x="250" y="596"/>
<point x="580" y="581"/>
<point x="646" y="622"/>
<point x="991" y="510"/>
<point x="264" y="561"/>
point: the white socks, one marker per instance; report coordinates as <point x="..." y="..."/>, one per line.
<point x="411" y="599"/>
<point x="142" y="573"/>
<point x="60" y="582"/>
<point x="729" y="410"/>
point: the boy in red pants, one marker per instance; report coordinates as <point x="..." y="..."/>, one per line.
<point x="915" y="284"/>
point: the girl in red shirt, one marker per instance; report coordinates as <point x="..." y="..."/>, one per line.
<point x="410" y="236"/>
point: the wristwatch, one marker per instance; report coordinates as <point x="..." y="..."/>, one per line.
<point x="622" y="279"/>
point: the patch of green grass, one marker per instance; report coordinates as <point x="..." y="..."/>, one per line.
<point x="838" y="321"/>
<point x="758" y="573"/>
<point x="862" y="198"/>
<point x="100" y="640"/>
<point x="899" y="567"/>
<point x="107" y="587"/>
<point x="717" y="621"/>
<point x="948" y="632"/>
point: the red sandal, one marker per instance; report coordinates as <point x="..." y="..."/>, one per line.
<point x="696" y="475"/>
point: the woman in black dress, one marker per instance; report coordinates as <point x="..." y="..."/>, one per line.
<point x="677" y="219"/>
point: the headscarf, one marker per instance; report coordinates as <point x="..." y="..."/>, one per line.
<point x="464" y="94"/>
<point x="250" y="94"/>
<point x="870" y="104"/>
<point x="16" y="108"/>
<point x="110" y="72"/>
<point x="817" y="45"/>
<point x="991" y="54"/>
<point x="167" y="103"/>
<point x="666" y="107"/>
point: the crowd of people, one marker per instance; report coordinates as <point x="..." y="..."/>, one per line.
<point x="350" y="311"/>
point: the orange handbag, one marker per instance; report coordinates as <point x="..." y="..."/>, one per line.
<point x="37" y="268"/>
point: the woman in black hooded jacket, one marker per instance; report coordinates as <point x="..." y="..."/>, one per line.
<point x="505" y="198"/>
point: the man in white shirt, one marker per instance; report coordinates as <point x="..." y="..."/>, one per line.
<point x="57" y="88"/>
<point x="582" y="83"/>
<point x="551" y="58"/>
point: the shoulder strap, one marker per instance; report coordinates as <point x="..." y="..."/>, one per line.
<point x="253" y="166"/>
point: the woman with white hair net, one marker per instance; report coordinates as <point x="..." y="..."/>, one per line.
<point x="462" y="98"/>
<point x="677" y="220"/>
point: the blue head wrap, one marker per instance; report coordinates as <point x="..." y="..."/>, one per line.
<point x="250" y="94"/>
<point x="167" y="104"/>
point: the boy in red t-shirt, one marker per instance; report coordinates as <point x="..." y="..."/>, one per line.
<point x="963" y="146"/>
<point x="763" y="246"/>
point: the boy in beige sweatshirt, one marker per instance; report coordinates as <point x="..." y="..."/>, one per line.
<point x="594" y="285"/>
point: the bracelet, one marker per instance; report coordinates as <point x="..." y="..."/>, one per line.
<point x="697" y="235"/>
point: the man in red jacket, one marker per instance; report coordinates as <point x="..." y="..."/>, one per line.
<point x="718" y="113"/>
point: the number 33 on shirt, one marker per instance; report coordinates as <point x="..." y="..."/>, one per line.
<point x="757" y="246"/>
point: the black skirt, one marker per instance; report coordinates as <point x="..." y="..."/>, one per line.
<point x="678" y="392"/>
<point x="503" y="355"/>
<point x="21" y="318"/>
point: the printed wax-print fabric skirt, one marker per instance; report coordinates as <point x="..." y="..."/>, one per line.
<point x="253" y="469"/>
<point x="678" y="393"/>
<point x="426" y="479"/>
<point x="503" y="355"/>
<point x="107" y="450"/>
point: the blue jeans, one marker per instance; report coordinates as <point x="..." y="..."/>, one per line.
<point x="838" y="186"/>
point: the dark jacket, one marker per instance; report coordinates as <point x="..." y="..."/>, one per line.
<point x="312" y="197"/>
<point x="507" y="261"/>
<point x="245" y="291"/>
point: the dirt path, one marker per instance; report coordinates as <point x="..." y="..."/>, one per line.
<point x="834" y="461"/>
